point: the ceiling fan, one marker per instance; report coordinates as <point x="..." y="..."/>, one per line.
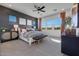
<point x="39" y="9"/>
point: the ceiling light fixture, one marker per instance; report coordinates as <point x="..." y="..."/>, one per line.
<point x="10" y="5"/>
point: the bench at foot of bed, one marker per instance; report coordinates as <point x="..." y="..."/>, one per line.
<point x="40" y="37"/>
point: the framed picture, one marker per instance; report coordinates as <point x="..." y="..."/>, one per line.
<point x="12" y="19"/>
<point x="29" y="22"/>
<point x="22" y="21"/>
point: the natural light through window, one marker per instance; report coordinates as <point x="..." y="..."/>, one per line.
<point x="51" y="23"/>
<point x="55" y="40"/>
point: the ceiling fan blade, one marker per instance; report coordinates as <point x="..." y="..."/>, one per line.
<point x="42" y="10"/>
<point x="42" y="7"/>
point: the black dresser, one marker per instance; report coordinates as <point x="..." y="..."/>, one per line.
<point x="70" y="45"/>
<point x="8" y="36"/>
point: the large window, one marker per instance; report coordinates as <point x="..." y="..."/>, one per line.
<point x="44" y="24"/>
<point x="51" y="23"/>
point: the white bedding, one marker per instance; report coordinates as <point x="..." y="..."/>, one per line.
<point x="31" y="34"/>
<point x="27" y="36"/>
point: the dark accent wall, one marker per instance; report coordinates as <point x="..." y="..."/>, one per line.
<point x="78" y="15"/>
<point x="4" y="16"/>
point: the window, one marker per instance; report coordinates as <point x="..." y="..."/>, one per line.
<point x="44" y="24"/>
<point x="51" y="23"/>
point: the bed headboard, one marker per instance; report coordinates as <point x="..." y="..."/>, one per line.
<point x="22" y="30"/>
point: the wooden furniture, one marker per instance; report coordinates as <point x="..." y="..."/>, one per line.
<point x="70" y="42"/>
<point x="8" y="36"/>
<point x="70" y="45"/>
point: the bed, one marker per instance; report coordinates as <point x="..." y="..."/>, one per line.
<point x="31" y="36"/>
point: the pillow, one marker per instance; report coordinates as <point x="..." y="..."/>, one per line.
<point x="24" y="30"/>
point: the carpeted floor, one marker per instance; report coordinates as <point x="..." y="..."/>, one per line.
<point x="20" y="48"/>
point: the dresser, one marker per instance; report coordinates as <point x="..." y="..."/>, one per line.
<point x="8" y="36"/>
<point x="70" y="45"/>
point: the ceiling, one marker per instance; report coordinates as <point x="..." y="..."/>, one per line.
<point x="27" y="8"/>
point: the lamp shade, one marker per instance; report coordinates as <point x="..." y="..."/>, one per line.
<point x="15" y="26"/>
